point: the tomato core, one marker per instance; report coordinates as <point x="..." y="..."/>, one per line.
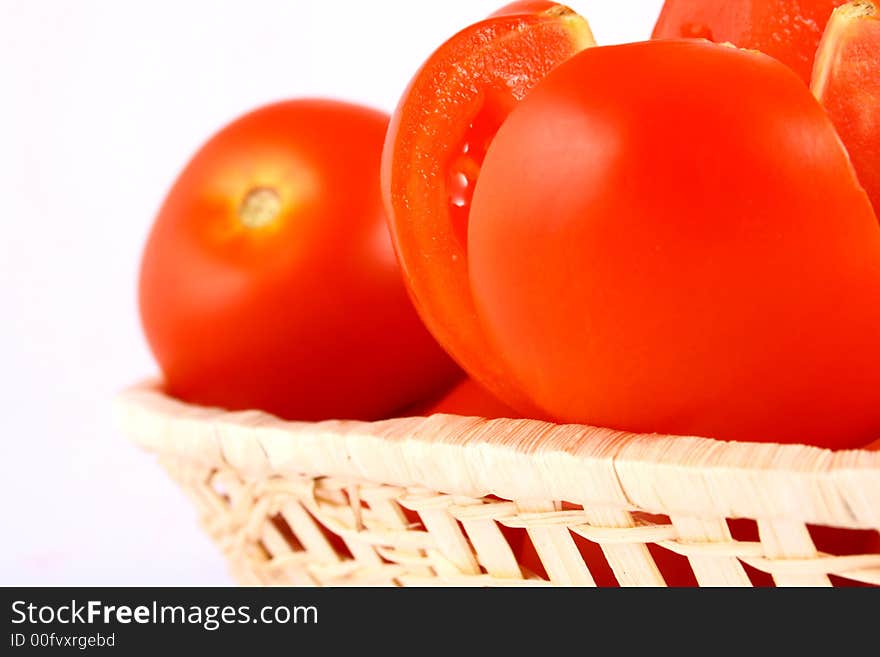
<point x="260" y="207"/>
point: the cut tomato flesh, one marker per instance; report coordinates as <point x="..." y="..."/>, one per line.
<point x="788" y="30"/>
<point x="464" y="163"/>
<point x="846" y="80"/>
<point x="435" y="146"/>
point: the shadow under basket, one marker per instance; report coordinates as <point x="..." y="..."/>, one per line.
<point x="449" y="500"/>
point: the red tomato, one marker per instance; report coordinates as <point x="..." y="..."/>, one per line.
<point x="269" y="280"/>
<point x="846" y="80"/>
<point x="433" y="152"/>
<point x="788" y="30"/>
<point x="669" y="237"/>
<point x="468" y="398"/>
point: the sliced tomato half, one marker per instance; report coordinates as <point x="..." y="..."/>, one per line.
<point x="433" y="151"/>
<point x="846" y="80"/>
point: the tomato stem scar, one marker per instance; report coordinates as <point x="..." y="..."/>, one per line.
<point x="260" y="207"/>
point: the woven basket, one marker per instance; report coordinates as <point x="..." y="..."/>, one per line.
<point x="449" y="500"/>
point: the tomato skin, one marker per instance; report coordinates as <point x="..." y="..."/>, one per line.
<point x="686" y="262"/>
<point x="437" y="135"/>
<point x="788" y="30"/>
<point x="468" y="398"/>
<point x="305" y="316"/>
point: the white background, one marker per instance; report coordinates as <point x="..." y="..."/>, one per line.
<point x="101" y="104"/>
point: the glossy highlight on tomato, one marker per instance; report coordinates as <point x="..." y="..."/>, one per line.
<point x="434" y="149"/>
<point x="669" y="237"/>
<point x="269" y="280"/>
<point x="788" y="30"/>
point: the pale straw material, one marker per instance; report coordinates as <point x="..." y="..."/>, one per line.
<point x="422" y="501"/>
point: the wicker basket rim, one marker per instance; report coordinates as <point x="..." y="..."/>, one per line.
<point x="521" y="459"/>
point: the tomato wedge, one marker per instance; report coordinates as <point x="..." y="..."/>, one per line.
<point x="846" y="80"/>
<point x="434" y="148"/>
<point x="788" y="30"/>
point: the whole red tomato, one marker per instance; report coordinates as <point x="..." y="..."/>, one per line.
<point x="269" y="280"/>
<point x="669" y="237"/>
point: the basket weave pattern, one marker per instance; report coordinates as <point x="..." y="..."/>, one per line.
<point x="441" y="500"/>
